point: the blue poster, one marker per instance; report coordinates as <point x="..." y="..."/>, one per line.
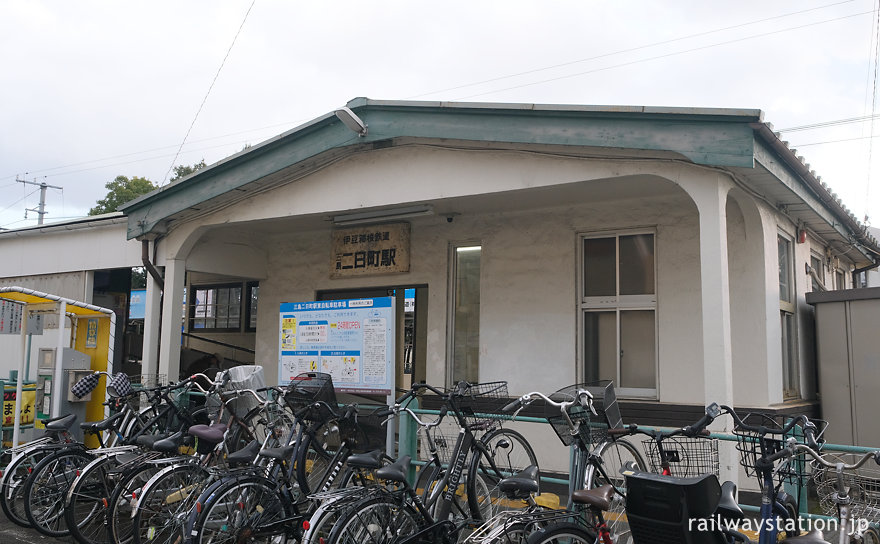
<point x="352" y="340"/>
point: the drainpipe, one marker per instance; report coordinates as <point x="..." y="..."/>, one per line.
<point x="151" y="268"/>
<point x="857" y="271"/>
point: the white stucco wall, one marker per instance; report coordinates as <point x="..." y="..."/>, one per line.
<point x="58" y="250"/>
<point x="529" y="263"/>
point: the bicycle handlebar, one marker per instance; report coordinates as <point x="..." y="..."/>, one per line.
<point x="809" y="427"/>
<point x="792" y="447"/>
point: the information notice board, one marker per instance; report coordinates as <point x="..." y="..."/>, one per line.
<point x="352" y="340"/>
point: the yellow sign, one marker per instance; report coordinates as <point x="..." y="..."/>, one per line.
<point x="27" y="406"/>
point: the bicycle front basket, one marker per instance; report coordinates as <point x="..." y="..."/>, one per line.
<point x="688" y="457"/>
<point x="481" y="403"/>
<point x="863" y="485"/>
<point x="591" y="429"/>
<point x="363" y="431"/>
<point x="749" y="445"/>
<point x="308" y="388"/>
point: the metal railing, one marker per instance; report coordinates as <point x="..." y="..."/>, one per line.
<point x="408" y="445"/>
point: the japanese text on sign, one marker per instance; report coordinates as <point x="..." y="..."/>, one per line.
<point x="382" y="249"/>
<point x="352" y="340"/>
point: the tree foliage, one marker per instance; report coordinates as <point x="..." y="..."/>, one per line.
<point x="122" y="190"/>
<point x="184" y="170"/>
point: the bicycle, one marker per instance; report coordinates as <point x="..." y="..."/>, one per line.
<point x="126" y="420"/>
<point x="598" y="454"/>
<point x="271" y="506"/>
<point x="400" y="513"/>
<point x="760" y="441"/>
<point x="596" y="492"/>
<point x="164" y="502"/>
<point x="848" y="493"/>
<point x="45" y="493"/>
<point x="24" y="458"/>
<point x="586" y="521"/>
<point x="499" y="452"/>
<point x="669" y="509"/>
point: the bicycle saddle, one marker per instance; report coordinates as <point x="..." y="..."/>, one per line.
<point x="209" y="433"/>
<point x="60" y="423"/>
<point x="727" y="506"/>
<point x="103" y="425"/>
<point x="598" y="498"/>
<point x="521" y="484"/>
<point x="170" y="444"/>
<point x="245" y="455"/>
<point x="369" y="460"/>
<point x="396" y="471"/>
<point x="147" y="440"/>
<point x="282" y="453"/>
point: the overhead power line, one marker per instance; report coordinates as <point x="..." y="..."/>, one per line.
<point x="537" y="70"/>
<point x="210" y="87"/>
<point x="834" y="123"/>
<point x="629" y="50"/>
<point x="667" y="55"/>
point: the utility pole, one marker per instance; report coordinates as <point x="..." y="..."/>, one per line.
<point x="41" y="209"/>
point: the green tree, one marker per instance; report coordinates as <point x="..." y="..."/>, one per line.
<point x="184" y="170"/>
<point x="139" y="277"/>
<point x="122" y="190"/>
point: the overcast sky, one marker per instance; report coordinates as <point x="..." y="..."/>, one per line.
<point x="90" y="90"/>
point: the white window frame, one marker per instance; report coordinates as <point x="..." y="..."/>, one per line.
<point x="617" y="303"/>
<point x="788" y="344"/>
<point x="451" y="302"/>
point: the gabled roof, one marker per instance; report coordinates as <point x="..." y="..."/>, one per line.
<point x="726" y="138"/>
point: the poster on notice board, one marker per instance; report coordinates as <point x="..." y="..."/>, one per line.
<point x="352" y="340"/>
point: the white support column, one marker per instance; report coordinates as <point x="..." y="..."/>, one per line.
<point x="152" y="325"/>
<point x="172" y="315"/>
<point x="711" y="200"/>
<point x="22" y="364"/>
<point x="63" y="342"/>
<point x="710" y="196"/>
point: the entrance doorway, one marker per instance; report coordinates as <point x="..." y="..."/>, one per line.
<point x="411" y="311"/>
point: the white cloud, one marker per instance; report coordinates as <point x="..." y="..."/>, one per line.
<point x="103" y="88"/>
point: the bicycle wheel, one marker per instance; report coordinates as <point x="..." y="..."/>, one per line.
<point x="46" y="488"/>
<point x="241" y="510"/>
<point x="871" y="536"/>
<point x="12" y="485"/>
<point x="326" y="515"/>
<point x="791" y="512"/>
<point x="314" y="456"/>
<point x="161" y="511"/>
<point x="85" y="510"/>
<point x="615" y="454"/>
<point x="507" y="453"/>
<point x="124" y="498"/>
<point x="430" y="482"/>
<point x="563" y="533"/>
<point x="377" y="520"/>
<point x="261" y="422"/>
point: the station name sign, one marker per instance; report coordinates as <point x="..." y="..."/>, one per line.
<point x="370" y="250"/>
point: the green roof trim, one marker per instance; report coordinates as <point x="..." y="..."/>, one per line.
<point x="714" y="137"/>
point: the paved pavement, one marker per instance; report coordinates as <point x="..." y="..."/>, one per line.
<point x="11" y="533"/>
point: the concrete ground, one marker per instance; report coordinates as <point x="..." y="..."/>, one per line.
<point x="11" y="533"/>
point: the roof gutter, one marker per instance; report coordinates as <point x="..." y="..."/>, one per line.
<point x="64" y="227"/>
<point x="859" y="231"/>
